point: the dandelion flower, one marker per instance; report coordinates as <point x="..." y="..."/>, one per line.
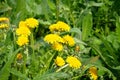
<point x="53" y="38"/>
<point x="93" y="73"/>
<point x="54" y="27"/>
<point x="23" y="31"/>
<point x="73" y="62"/>
<point x="63" y="26"/>
<point x="59" y="26"/>
<point x="4" y="19"/>
<point x="59" y="61"/>
<point x="31" y="22"/>
<point x="19" y="56"/>
<point x="22" y="24"/>
<point x="3" y="26"/>
<point x="57" y="46"/>
<point x="22" y="40"/>
<point x="77" y="48"/>
<point x="69" y="40"/>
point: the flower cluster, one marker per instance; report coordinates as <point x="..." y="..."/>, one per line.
<point x="72" y="62"/>
<point x="57" y="40"/>
<point x="93" y="73"/>
<point x="4" y="22"/>
<point x="23" y="31"/>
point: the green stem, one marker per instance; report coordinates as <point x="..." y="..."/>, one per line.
<point x="32" y="46"/>
<point x="62" y="68"/>
<point x="25" y="58"/>
<point x="57" y="10"/>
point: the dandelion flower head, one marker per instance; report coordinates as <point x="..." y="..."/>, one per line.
<point x="73" y="62"/>
<point x="22" y="40"/>
<point x="53" y="38"/>
<point x="54" y="27"/>
<point x="4" y="19"/>
<point x="4" y="22"/>
<point x="59" y="26"/>
<point x="63" y="26"/>
<point x="93" y="73"/>
<point x="69" y="40"/>
<point x="23" y="31"/>
<point x="59" y="61"/>
<point x="19" y="56"/>
<point x="22" y="24"/>
<point x="3" y="26"/>
<point x="57" y="46"/>
<point x="32" y="22"/>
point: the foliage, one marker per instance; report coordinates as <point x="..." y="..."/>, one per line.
<point x="94" y="27"/>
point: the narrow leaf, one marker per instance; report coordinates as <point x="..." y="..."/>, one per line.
<point x="86" y="25"/>
<point x="18" y="73"/>
<point x="4" y="73"/>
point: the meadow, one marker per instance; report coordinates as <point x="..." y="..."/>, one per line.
<point x="59" y="39"/>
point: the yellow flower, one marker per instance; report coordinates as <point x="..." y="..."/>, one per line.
<point x="31" y="22"/>
<point x="63" y="26"/>
<point x="4" y="19"/>
<point x="73" y="62"/>
<point x="57" y="46"/>
<point x="22" y="40"/>
<point x="23" y="31"/>
<point x="59" y="61"/>
<point x="77" y="48"/>
<point x="53" y="38"/>
<point x="19" y="56"/>
<point x="69" y="40"/>
<point x="59" y="26"/>
<point x="22" y="24"/>
<point x="93" y="73"/>
<point x="3" y="26"/>
<point x="54" y="27"/>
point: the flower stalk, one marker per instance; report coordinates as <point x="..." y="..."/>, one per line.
<point x="62" y="68"/>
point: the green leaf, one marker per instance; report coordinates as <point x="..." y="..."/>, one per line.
<point x="4" y="73"/>
<point x="101" y="72"/>
<point x="51" y="5"/>
<point x="79" y="41"/>
<point x="108" y="47"/>
<point x="93" y="3"/>
<point x="4" y="7"/>
<point x="118" y="27"/>
<point x="52" y="76"/>
<point x="45" y="9"/>
<point x="86" y="25"/>
<point x="18" y="73"/>
<point x="76" y="30"/>
<point x="21" y="11"/>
